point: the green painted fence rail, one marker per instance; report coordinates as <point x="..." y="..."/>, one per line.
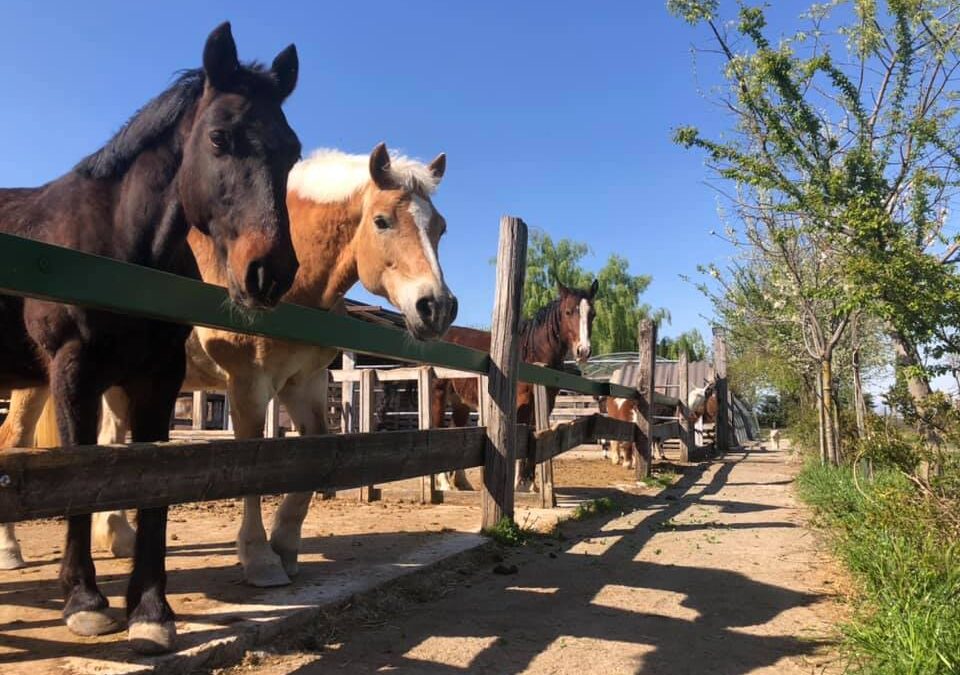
<point x="35" y="269"/>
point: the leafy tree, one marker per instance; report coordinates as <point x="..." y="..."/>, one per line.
<point x="691" y="343"/>
<point x="845" y="134"/>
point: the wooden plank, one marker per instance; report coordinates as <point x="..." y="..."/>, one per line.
<point x="562" y="437"/>
<point x="607" y="428"/>
<point x="429" y="494"/>
<point x="199" y="415"/>
<point x="646" y="346"/>
<point x="69" y="481"/>
<point x="366" y="409"/>
<point x="501" y="411"/>
<point x="722" y="433"/>
<point x="541" y="410"/>
<point x="686" y="430"/>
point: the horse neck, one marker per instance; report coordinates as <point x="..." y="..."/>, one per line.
<point x="323" y="238"/>
<point x="543" y="341"/>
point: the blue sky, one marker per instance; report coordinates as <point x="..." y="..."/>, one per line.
<point x="558" y="112"/>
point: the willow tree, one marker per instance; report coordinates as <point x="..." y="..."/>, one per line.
<point x="850" y="126"/>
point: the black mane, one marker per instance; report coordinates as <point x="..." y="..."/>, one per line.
<point x="149" y="124"/>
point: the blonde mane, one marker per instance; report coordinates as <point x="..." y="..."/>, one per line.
<point x="332" y="176"/>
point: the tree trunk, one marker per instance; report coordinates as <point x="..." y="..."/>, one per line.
<point x="826" y="407"/>
<point x="859" y="404"/>
<point x="822" y="420"/>
<point x="907" y="360"/>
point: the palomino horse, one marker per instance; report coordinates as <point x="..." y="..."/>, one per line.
<point x="564" y="326"/>
<point x="212" y="152"/>
<point x="351" y="217"/>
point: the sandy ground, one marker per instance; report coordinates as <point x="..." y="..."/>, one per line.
<point x="715" y="575"/>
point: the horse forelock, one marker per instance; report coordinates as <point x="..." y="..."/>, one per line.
<point x="149" y="124"/>
<point x="329" y="175"/>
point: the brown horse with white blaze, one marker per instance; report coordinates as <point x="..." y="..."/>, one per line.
<point x="560" y="328"/>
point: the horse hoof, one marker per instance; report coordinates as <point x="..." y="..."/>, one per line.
<point x="11" y="559"/>
<point x="152" y="638"/>
<point x="89" y="623"/>
<point x="266" y="576"/>
<point x="288" y="558"/>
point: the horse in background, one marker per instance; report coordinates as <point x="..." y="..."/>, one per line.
<point x="212" y="154"/>
<point x="562" y="327"/>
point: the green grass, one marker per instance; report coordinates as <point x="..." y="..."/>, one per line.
<point x="906" y="566"/>
<point x="508" y="533"/>
<point x="594" y="507"/>
<point x="659" y="479"/>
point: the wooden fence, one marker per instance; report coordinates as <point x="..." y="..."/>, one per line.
<point x="63" y="481"/>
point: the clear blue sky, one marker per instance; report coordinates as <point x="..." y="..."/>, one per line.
<point x="558" y="112"/>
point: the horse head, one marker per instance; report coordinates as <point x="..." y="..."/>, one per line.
<point x="576" y="306"/>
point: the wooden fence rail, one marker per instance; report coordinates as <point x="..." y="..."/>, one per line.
<point x="38" y="483"/>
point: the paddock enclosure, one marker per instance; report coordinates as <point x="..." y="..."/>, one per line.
<point x="68" y="481"/>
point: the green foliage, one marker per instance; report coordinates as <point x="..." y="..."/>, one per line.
<point x="507" y="533"/>
<point x="618" y="306"/>
<point x="690" y="343"/>
<point x="906" y="564"/>
<point x="594" y="507"/>
<point x="771" y="411"/>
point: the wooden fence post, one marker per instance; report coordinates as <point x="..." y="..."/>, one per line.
<point x="647" y="348"/>
<point x="429" y="494"/>
<point x="368" y="376"/>
<point x="541" y="410"/>
<point x="722" y="430"/>
<point x="272" y="429"/>
<point x="199" y="414"/>
<point x="347" y="404"/>
<point x="499" y="466"/>
<point x="686" y="428"/>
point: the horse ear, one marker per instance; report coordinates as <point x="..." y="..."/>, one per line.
<point x="220" y="61"/>
<point x="380" y="167"/>
<point x="561" y="289"/>
<point x="593" y="288"/>
<point x="286" y="68"/>
<point x="438" y="166"/>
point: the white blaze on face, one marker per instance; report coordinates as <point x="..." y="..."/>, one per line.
<point x="584" y="345"/>
<point x="422" y="213"/>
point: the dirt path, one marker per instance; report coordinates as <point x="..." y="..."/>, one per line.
<point x="716" y="575"/>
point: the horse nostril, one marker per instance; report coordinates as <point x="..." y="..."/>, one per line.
<point x="426" y="308"/>
<point x="454" y="306"/>
<point x="258" y="282"/>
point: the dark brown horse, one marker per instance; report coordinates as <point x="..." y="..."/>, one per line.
<point x="564" y="326"/>
<point x="212" y="152"/>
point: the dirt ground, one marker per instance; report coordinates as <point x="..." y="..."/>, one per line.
<point x="716" y="574"/>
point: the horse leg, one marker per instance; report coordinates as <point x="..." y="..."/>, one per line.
<point x="262" y="567"/>
<point x="76" y="387"/>
<point x="305" y="398"/>
<point x="17" y="431"/>
<point x="151" y="399"/>
<point x="457" y="480"/>
<point x="615" y="455"/>
<point x="111" y="530"/>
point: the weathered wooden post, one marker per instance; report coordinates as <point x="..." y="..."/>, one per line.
<point x="722" y="432"/>
<point x="272" y="429"/>
<point x="541" y="410"/>
<point x="368" y="378"/>
<point x="347" y="404"/>
<point x="686" y="428"/>
<point x="499" y="466"/>
<point x="429" y="494"/>
<point x="647" y="348"/>
<point x="199" y="413"/>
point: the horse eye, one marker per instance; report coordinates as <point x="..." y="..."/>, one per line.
<point x="219" y="139"/>
<point x="381" y="223"/>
